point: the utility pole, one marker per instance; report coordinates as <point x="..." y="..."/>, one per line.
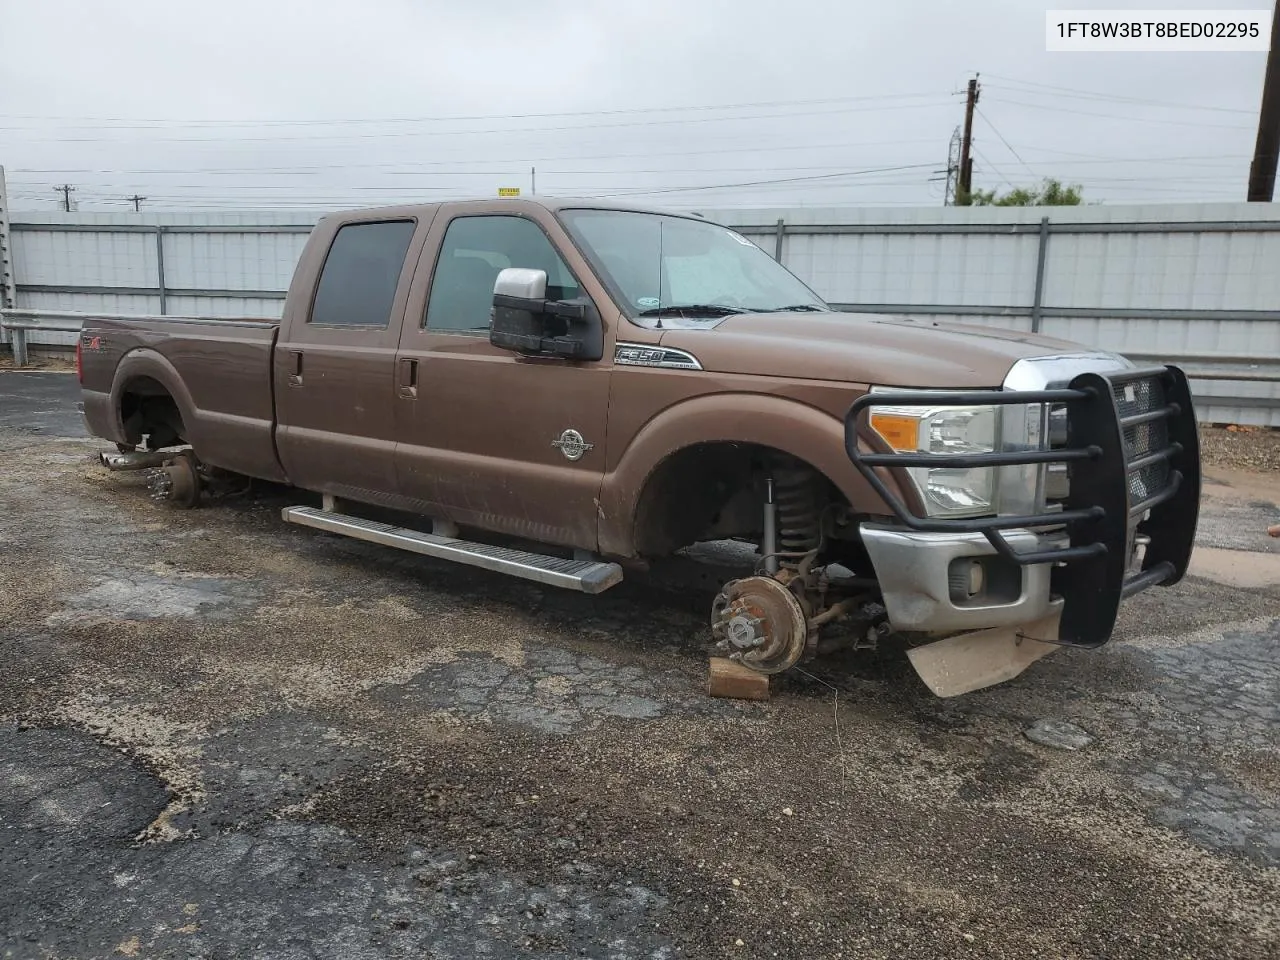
<point x="66" y="190"/>
<point x="533" y="174"/>
<point x="964" y="187"/>
<point x="1266" y="153"/>
<point x="137" y="202"/>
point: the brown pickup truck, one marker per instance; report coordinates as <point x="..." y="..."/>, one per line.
<point x="563" y="391"/>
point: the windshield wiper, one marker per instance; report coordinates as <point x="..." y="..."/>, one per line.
<point x="692" y="310"/>
<point x="795" y="308"/>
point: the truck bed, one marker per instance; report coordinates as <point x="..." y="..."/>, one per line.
<point x="217" y="370"/>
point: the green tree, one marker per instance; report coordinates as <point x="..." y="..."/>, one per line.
<point x="1050" y="193"/>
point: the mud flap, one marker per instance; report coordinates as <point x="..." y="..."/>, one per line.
<point x="971" y="661"/>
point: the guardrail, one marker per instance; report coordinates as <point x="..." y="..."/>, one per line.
<point x="1202" y="367"/>
<point x="17" y="323"/>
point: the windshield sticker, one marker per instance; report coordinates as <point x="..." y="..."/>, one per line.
<point x="648" y="302"/>
<point x="741" y="239"/>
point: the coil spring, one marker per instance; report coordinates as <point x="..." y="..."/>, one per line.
<point x="797" y="498"/>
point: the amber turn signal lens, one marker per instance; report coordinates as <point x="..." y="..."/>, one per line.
<point x="901" y="433"/>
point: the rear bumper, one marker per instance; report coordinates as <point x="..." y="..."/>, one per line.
<point x="1134" y="462"/>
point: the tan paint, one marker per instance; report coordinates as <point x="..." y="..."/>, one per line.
<point x="474" y="445"/>
<point x="337" y="430"/>
<point x="971" y="661"/>
<point x="842" y="347"/>
<point x="476" y="442"/>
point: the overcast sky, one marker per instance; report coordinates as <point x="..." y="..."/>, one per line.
<point x="278" y="103"/>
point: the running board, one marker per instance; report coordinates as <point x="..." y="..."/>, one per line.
<point x="586" y="576"/>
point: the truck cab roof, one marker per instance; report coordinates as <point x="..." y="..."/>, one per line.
<point x="508" y="204"/>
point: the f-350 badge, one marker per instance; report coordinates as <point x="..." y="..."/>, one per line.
<point x="572" y="445"/>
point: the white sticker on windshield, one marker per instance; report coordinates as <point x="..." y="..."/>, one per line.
<point x="741" y="239"/>
<point x="648" y="302"/>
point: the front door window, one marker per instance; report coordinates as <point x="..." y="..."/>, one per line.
<point x="475" y="250"/>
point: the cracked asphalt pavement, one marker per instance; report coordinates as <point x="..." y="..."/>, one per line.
<point x="222" y="736"/>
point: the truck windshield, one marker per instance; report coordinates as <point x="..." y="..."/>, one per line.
<point x="667" y="266"/>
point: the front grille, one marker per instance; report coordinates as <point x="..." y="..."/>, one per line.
<point x="1057" y="480"/>
<point x="1137" y="397"/>
<point x="1131" y="398"/>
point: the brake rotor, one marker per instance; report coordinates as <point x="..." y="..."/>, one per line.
<point x="759" y="623"/>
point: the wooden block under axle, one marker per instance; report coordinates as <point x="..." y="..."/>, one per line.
<point x="736" y="682"/>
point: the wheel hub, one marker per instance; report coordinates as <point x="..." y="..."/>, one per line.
<point x="178" y="482"/>
<point x="758" y="622"/>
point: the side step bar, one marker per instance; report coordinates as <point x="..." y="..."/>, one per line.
<point x="586" y="576"/>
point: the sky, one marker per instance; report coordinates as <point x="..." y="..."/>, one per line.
<point x="703" y="104"/>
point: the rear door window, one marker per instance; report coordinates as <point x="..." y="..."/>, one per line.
<point x="358" y="283"/>
<point x="475" y="250"/>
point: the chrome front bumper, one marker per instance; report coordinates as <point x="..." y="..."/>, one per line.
<point x="915" y="571"/>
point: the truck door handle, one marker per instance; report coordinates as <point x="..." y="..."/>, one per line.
<point x="408" y="379"/>
<point x="295" y="378"/>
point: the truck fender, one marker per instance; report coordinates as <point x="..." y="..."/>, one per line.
<point x="144" y="362"/>
<point x="785" y="425"/>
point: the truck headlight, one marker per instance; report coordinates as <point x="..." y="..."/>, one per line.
<point x="946" y="491"/>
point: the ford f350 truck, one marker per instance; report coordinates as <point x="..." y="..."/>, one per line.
<point x="563" y="391"/>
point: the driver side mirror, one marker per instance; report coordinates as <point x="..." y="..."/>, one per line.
<point x="525" y="321"/>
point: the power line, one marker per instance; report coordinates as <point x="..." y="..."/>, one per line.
<point x="757" y="183"/>
<point x="495" y="116"/>
<point x="1004" y="141"/>
<point x="432" y="179"/>
<point x="1224" y="177"/>
<point x="409" y="196"/>
<point x="1211" y="160"/>
<point x="1127" y="118"/>
<point x="506" y="131"/>
<point x="991" y="166"/>
<point x="887" y="176"/>
<point x="1076" y="93"/>
<point x="735" y="147"/>
<point x="310" y="169"/>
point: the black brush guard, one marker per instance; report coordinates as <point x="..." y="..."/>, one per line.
<point x="1132" y="447"/>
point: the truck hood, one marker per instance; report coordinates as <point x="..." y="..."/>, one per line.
<point x="862" y="348"/>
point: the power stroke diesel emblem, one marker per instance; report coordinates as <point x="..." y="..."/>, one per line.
<point x="572" y="445"/>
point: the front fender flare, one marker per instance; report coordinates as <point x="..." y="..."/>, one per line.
<point x="785" y="425"/>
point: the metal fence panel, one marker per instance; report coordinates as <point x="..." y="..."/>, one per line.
<point x="226" y="306"/>
<point x="1184" y="280"/>
<point x="231" y="261"/>
<point x="101" y="258"/>
<point x="80" y="303"/>
<point x="1157" y="271"/>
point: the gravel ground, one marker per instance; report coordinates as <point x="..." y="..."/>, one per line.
<point x="1247" y="448"/>
<point x="42" y="364"/>
<point x="222" y="736"/>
